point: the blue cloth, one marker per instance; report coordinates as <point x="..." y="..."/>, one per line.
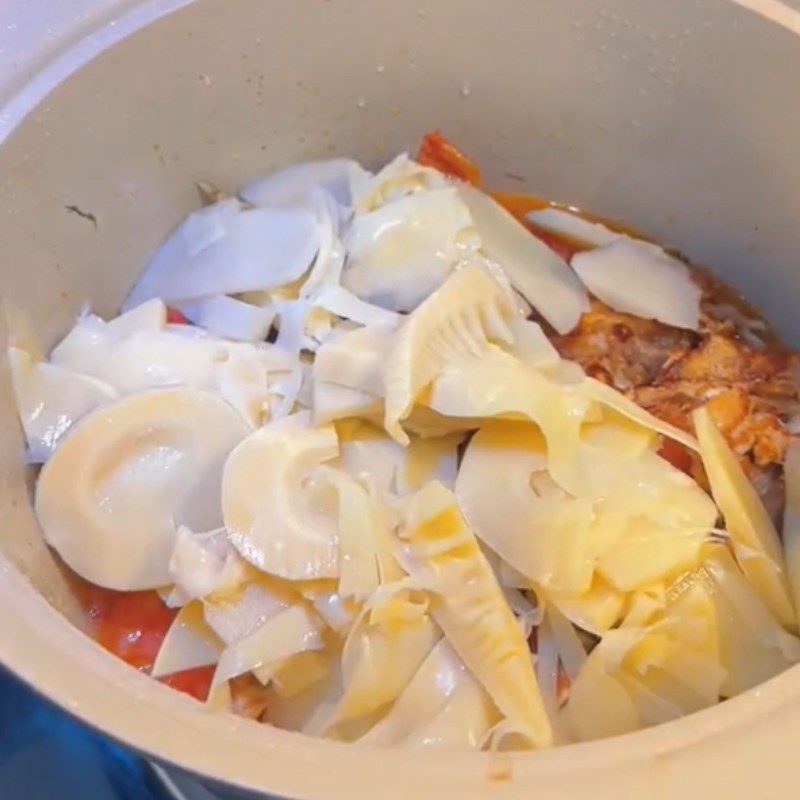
<point x="47" y="755"/>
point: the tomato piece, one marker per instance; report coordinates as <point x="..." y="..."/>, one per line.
<point x="175" y="317"/>
<point x="563" y="684"/>
<point x="94" y="600"/>
<point x="132" y="609"/>
<point x="437" y="152"/>
<point x="677" y="455"/>
<point x="520" y="205"/>
<point x="194" y="682"/>
<point x="133" y="626"/>
<point x="560" y="246"/>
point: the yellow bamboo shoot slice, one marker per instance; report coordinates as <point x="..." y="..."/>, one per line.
<point x="291" y="631"/>
<point x="381" y="654"/>
<point x="537" y="529"/>
<point x="358" y="565"/>
<point x="791" y="519"/>
<point x="468" y="604"/>
<point x="753" y="645"/>
<point x="455" y="322"/>
<point x="443" y="705"/>
<point x="189" y="643"/>
<point x="755" y="540"/>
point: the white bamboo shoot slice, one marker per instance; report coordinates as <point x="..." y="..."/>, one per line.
<point x="639" y="278"/>
<point x="227" y="249"/>
<point x="401" y="252"/>
<point x="269" y="511"/>
<point x="293" y="184"/>
<point x="50" y="400"/>
<point x="355" y="359"/>
<point x="112" y="494"/>
<point x="542" y="277"/>
<point x="565" y="223"/>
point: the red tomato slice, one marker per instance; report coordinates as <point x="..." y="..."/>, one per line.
<point x="94" y="600"/>
<point x="439" y="153"/>
<point x="175" y="317"/>
<point x="563" y="684"/>
<point x="194" y="682"/>
<point x="519" y="205"/>
<point x="132" y="625"/>
<point x="561" y="246"/>
<point x="677" y="455"/>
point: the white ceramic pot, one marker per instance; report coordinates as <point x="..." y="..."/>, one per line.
<point x="680" y="117"/>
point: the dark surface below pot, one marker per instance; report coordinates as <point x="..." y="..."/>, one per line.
<point x="47" y="755"/>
